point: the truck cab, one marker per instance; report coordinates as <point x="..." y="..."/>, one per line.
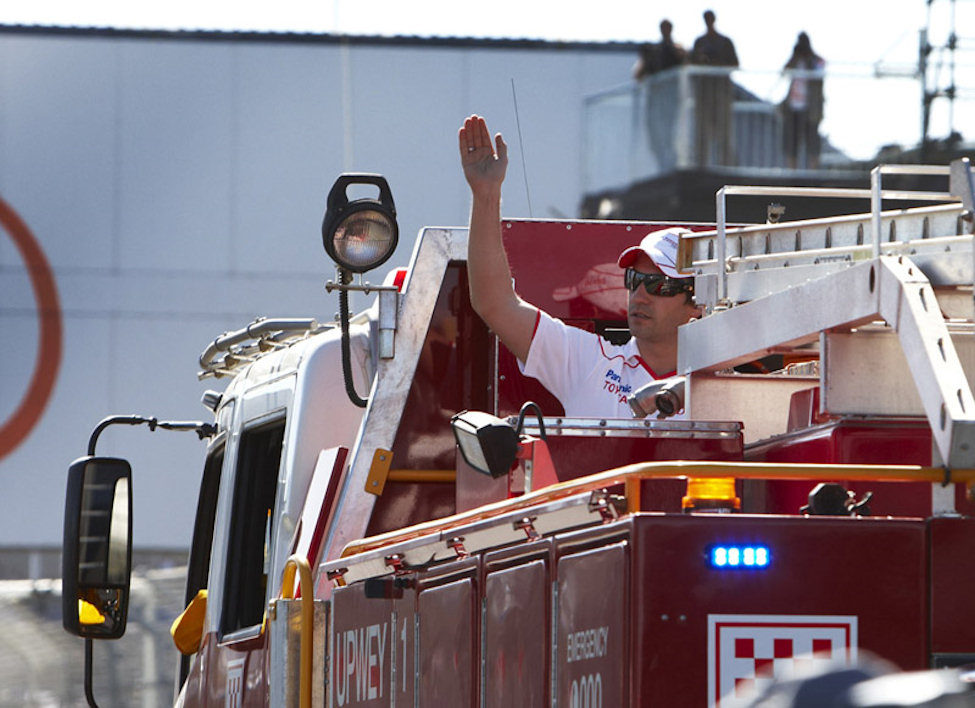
<point x="273" y="420"/>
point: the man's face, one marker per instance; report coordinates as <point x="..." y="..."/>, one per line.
<point x="655" y="318"/>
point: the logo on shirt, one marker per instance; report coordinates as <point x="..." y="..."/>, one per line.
<point x="614" y="384"/>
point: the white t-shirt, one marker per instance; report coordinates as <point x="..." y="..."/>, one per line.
<point x="591" y="377"/>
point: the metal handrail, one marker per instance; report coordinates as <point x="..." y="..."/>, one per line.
<point x="260" y="330"/>
<point x="876" y="195"/>
<point x="630" y="477"/>
<point x="299" y="564"/>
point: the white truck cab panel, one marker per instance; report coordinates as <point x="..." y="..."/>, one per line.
<point x="297" y="394"/>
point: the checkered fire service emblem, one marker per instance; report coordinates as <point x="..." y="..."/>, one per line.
<point x="746" y="653"/>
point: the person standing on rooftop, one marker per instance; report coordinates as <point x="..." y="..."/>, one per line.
<point x="713" y="93"/>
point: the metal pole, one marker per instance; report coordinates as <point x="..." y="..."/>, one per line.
<point x="684" y="131"/>
<point x="922" y="69"/>
<point x="88" y="682"/>
<point x="952" y="44"/>
<point x="721" y="250"/>
<point x="876" y="202"/>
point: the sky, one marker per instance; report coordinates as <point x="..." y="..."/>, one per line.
<point x="853" y="36"/>
<point x="760" y="25"/>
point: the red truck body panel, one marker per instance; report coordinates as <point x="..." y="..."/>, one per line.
<point x="632" y="613"/>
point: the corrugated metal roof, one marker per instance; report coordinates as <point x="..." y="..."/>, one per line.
<point x="313" y="37"/>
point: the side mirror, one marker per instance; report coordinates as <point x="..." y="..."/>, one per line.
<point x="97" y="553"/>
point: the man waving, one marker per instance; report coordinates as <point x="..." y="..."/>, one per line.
<point x="575" y="365"/>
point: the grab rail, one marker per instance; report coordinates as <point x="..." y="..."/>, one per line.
<point x="300" y="565"/>
<point x="630" y="477"/>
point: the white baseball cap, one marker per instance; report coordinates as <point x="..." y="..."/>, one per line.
<point x="661" y="248"/>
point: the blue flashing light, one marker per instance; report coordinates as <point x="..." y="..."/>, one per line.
<point x="741" y="557"/>
<point x="761" y="556"/>
<point x="719" y="557"/>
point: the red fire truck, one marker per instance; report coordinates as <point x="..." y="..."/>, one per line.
<point x="452" y="538"/>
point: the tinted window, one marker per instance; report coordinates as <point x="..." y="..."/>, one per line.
<point x="197" y="575"/>
<point x="251" y="527"/>
<point x="206" y="511"/>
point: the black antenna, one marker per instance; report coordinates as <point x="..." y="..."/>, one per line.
<point x="521" y="147"/>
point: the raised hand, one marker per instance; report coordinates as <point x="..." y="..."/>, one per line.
<point x="484" y="165"/>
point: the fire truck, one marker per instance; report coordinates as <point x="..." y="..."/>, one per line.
<point x="391" y="514"/>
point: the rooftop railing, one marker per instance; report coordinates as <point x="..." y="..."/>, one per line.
<point x="692" y="117"/>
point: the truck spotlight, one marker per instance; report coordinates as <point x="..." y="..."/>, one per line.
<point x="359" y="235"/>
<point x="488" y="444"/>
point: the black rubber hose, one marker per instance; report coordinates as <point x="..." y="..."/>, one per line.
<point x="345" y="277"/>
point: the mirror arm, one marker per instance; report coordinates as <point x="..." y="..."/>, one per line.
<point x="203" y="430"/>
<point x="89" y="693"/>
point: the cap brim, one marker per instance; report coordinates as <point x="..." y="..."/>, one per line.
<point x="628" y="256"/>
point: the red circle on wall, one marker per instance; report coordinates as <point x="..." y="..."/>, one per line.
<point x="16" y="428"/>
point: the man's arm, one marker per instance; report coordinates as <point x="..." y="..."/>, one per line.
<point x="492" y="293"/>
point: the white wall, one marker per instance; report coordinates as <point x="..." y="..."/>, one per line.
<point x="177" y="187"/>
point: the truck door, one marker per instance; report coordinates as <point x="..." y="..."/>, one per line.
<point x="235" y="674"/>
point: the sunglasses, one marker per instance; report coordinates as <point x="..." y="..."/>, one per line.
<point x="657" y="283"/>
